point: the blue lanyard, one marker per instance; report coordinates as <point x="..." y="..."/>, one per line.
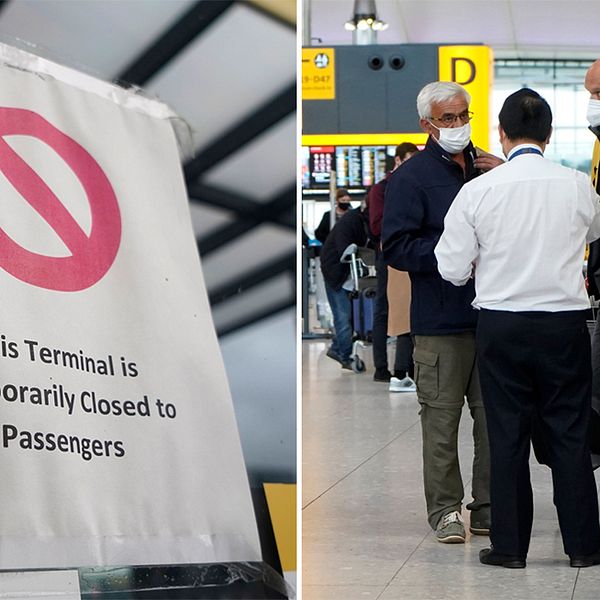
<point x="527" y="151"/>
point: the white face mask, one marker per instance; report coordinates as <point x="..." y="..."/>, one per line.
<point x="593" y="112"/>
<point x="454" y="139"/>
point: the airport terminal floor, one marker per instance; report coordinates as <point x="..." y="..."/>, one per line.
<point x="365" y="533"/>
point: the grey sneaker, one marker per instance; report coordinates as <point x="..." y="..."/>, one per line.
<point x="402" y="385"/>
<point x="451" y="529"/>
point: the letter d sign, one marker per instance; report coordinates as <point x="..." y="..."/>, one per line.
<point x="463" y="70"/>
<point x="473" y="68"/>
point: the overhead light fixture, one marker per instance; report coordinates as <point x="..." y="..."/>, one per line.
<point x="380" y="25"/>
<point x="365" y="17"/>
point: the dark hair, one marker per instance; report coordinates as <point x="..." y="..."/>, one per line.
<point x="405" y="148"/>
<point x="341" y="192"/>
<point x="526" y="115"/>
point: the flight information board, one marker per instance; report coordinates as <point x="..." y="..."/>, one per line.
<point x="356" y="167"/>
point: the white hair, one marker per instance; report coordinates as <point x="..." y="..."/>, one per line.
<point x="436" y="92"/>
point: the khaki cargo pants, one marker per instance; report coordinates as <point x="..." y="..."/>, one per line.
<point x="446" y="373"/>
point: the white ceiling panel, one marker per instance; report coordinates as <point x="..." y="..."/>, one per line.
<point x="257" y="248"/>
<point x="261" y="168"/>
<point x="276" y="290"/>
<point x="237" y="65"/>
<point x="513" y="28"/>
<point x="205" y="219"/>
<point x="558" y="24"/>
<point x="440" y="21"/>
<point x="96" y="36"/>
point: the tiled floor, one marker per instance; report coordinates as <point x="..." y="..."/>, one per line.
<point x="364" y="529"/>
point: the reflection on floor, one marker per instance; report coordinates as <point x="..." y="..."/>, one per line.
<point x="364" y="529"/>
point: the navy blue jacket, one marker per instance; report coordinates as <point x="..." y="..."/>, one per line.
<point x="417" y="198"/>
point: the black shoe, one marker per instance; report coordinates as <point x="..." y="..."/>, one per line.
<point x="347" y="364"/>
<point x="480" y="522"/>
<point x="587" y="560"/>
<point x="334" y="355"/>
<point x="382" y="375"/>
<point x="488" y="556"/>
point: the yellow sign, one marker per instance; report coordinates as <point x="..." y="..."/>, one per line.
<point x="595" y="179"/>
<point x="473" y="68"/>
<point x="596" y="165"/>
<point x="281" y="500"/>
<point x="318" y="74"/>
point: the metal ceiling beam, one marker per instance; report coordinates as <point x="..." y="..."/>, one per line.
<point x="269" y="311"/>
<point x="187" y="28"/>
<point x="263" y="213"/>
<point x="240" y="205"/>
<point x="254" y="278"/>
<point x="230" y="141"/>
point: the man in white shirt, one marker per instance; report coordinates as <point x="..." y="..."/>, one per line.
<point x="520" y="231"/>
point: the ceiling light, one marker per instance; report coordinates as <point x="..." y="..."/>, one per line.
<point x="379" y="25"/>
<point x="365" y="17"/>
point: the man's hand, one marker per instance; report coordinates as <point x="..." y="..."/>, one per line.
<point x="486" y="161"/>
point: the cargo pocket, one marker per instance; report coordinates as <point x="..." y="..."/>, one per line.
<point x="426" y="374"/>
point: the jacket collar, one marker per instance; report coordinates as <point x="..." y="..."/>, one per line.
<point x="469" y="154"/>
<point x="595" y="130"/>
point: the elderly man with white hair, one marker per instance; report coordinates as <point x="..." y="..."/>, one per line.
<point x="443" y="321"/>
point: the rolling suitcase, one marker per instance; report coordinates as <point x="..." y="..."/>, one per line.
<point x="362" y="271"/>
<point x="363" y="309"/>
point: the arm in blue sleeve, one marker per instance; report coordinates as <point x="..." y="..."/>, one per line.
<point x="406" y="242"/>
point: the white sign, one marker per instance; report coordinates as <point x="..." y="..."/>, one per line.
<point x="118" y="442"/>
<point x="40" y="585"/>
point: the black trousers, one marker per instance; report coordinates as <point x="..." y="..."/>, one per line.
<point x="538" y="364"/>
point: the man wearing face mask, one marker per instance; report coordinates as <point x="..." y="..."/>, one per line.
<point x="442" y="319"/>
<point x="592" y="85"/>
<point x="342" y="205"/>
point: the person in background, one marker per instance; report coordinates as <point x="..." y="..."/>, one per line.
<point x="592" y="85"/>
<point x="342" y="205"/>
<point x="521" y="231"/>
<point x="401" y="381"/>
<point x="442" y="319"/>
<point x="352" y="228"/>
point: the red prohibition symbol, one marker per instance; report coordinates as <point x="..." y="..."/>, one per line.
<point x="91" y="256"/>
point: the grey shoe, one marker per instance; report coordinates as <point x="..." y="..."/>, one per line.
<point x="451" y="529"/>
<point x="402" y="385"/>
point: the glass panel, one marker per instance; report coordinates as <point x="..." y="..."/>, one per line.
<point x="560" y="82"/>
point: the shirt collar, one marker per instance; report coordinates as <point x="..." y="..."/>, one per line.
<point x="521" y="147"/>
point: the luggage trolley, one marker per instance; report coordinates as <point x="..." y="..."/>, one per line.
<point x="364" y="282"/>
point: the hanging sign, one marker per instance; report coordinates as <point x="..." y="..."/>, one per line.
<point x="318" y="74"/>
<point x="118" y="442"/>
<point x="473" y="68"/>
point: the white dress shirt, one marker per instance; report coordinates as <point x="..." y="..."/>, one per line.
<point x="520" y="230"/>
